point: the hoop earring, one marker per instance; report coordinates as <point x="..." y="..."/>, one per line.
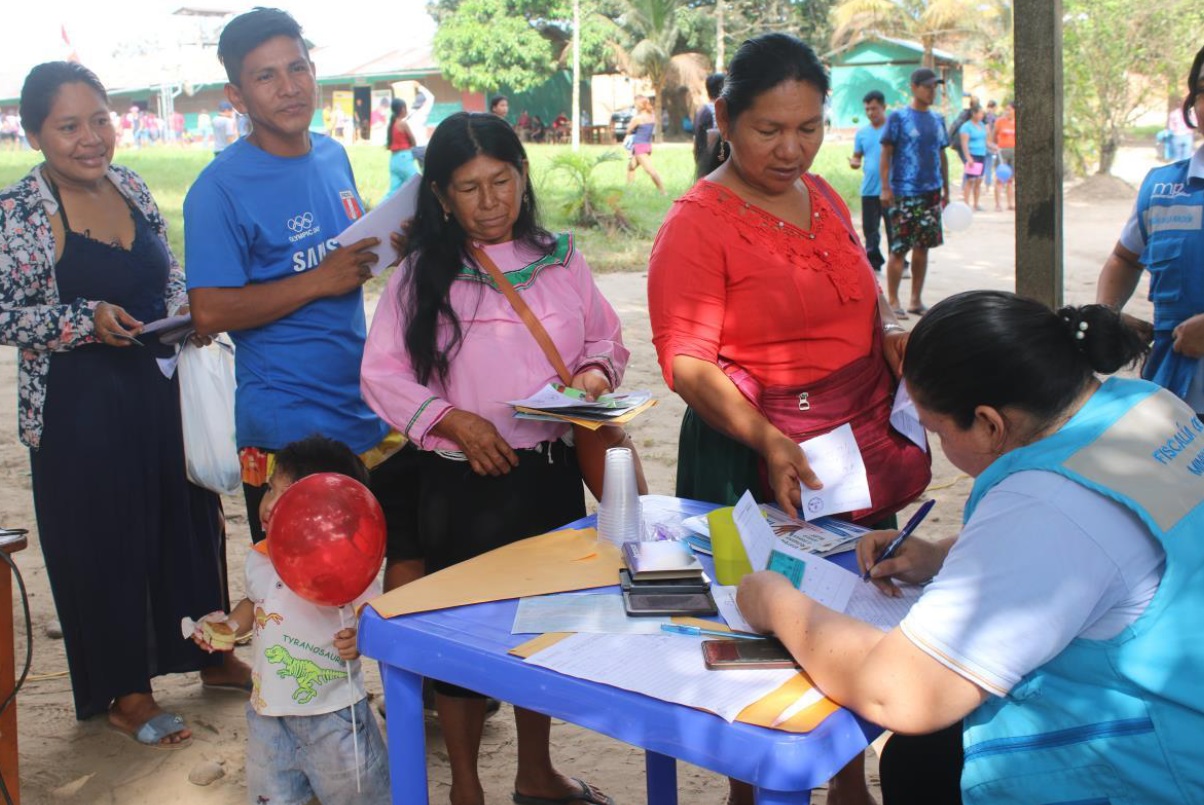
<point x="725" y="150"/>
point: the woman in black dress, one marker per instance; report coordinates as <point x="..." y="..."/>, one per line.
<point x="130" y="545"/>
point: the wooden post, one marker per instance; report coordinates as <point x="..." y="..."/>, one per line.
<point x="1038" y="35"/>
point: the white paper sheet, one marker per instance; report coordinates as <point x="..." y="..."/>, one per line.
<point x="836" y="459"/>
<point x="725" y="601"/>
<point x="878" y="609"/>
<point x="168" y="323"/>
<point x="755" y="534"/>
<point x="666" y="667"/>
<point x="597" y="614"/>
<point x="385" y="219"/>
<point x="904" y="418"/>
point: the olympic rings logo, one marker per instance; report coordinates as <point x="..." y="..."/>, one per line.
<point x="301" y="222"/>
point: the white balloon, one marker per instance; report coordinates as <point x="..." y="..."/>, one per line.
<point x="957" y="216"/>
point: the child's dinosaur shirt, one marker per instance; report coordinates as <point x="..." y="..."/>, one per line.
<point x="296" y="670"/>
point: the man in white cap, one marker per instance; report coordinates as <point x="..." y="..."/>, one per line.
<point x="915" y="187"/>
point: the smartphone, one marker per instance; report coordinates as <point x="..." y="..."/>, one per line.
<point x="719" y="654"/>
<point x="661" y="585"/>
<point x="639" y="604"/>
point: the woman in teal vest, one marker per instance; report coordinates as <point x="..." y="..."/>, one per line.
<point x="1059" y="640"/>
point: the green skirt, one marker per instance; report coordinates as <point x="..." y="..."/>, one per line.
<point x="713" y="467"/>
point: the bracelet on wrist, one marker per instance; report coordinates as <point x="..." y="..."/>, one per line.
<point x="893" y="327"/>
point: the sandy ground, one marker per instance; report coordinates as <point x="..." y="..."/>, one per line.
<point x="64" y="761"/>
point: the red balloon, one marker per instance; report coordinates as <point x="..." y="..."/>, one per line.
<point x="326" y="538"/>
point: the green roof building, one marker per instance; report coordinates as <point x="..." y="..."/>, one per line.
<point x="885" y="64"/>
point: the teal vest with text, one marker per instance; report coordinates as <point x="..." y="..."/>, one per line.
<point x="1117" y="721"/>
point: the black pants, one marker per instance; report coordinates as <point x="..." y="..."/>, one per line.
<point x="923" y="769"/>
<point x="871" y="213"/>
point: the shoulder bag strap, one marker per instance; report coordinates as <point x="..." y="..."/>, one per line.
<point x="524" y="312"/>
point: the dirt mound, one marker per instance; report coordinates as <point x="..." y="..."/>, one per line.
<point x="1101" y="187"/>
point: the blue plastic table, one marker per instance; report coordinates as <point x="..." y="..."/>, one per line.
<point x="467" y="646"/>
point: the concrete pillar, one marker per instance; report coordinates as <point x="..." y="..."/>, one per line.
<point x="1038" y="47"/>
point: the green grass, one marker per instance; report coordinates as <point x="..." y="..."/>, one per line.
<point x="170" y="171"/>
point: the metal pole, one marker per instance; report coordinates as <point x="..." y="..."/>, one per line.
<point x="576" y="135"/>
<point x="1039" y="259"/>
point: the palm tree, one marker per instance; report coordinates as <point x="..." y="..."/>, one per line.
<point x="652" y="26"/>
<point x="929" y="22"/>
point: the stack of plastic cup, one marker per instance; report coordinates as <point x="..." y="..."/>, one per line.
<point x="620" y="516"/>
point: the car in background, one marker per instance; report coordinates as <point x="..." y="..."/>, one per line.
<point x="619" y="122"/>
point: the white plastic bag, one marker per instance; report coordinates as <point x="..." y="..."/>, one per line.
<point x="207" y="413"/>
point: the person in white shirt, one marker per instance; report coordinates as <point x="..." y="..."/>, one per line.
<point x="1069" y="598"/>
<point x="305" y="671"/>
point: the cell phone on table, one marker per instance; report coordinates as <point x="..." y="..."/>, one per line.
<point x="720" y="654"/>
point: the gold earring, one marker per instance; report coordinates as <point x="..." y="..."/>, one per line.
<point x="725" y="150"/>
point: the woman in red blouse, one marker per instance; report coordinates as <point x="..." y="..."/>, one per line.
<point x="401" y="148"/>
<point x="766" y="316"/>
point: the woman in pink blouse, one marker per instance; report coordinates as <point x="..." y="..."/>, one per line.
<point x="446" y="350"/>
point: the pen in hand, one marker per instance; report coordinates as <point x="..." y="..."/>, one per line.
<point x="893" y="546"/>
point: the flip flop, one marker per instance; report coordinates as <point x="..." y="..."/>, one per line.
<point x="586" y="794"/>
<point x="901" y="314"/>
<point x="919" y="311"/>
<point x="155" y="729"/>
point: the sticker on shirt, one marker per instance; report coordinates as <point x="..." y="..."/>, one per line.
<point x="263" y="618"/>
<point x="307" y="673"/>
<point x="351" y="204"/>
<point x="257" y="701"/>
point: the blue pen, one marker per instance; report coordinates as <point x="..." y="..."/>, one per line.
<point x="911" y="526"/>
<point x="697" y="631"/>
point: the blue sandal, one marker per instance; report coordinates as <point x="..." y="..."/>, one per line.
<point x="155" y="729"/>
<point x="585" y="795"/>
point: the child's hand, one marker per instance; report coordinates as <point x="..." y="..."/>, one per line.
<point x="344" y="643"/>
<point x="215" y="632"/>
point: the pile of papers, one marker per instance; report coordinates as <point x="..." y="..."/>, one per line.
<point x="823" y="537"/>
<point x="559" y="403"/>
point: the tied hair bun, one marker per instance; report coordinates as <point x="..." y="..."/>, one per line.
<point x="1076" y="323"/>
<point x="1099" y="333"/>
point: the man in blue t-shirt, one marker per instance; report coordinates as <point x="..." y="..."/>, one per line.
<point x="260" y="224"/>
<point x="867" y="148"/>
<point x="914" y="172"/>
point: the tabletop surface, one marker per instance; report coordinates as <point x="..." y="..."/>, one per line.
<point x="467" y="646"/>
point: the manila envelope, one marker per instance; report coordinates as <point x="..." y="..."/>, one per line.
<point x="557" y="562"/>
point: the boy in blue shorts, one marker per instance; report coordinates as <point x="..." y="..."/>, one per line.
<point x="300" y="742"/>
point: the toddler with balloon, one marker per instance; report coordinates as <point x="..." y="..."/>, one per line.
<point x="310" y="732"/>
